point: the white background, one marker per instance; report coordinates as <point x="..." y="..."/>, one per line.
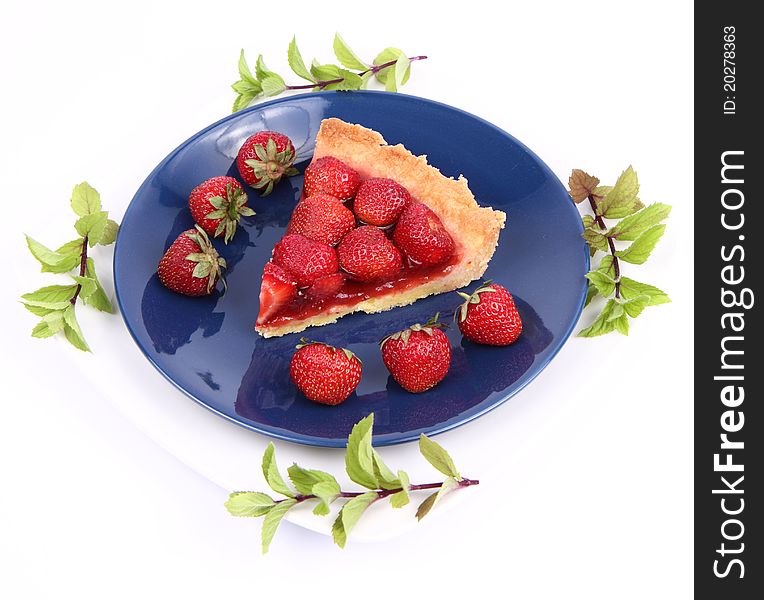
<point x="587" y="473"/>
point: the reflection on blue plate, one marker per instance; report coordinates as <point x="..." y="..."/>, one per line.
<point x="207" y="346"/>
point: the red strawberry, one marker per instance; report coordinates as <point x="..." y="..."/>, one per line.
<point x="380" y="201"/>
<point x="278" y="288"/>
<point x="418" y="358"/>
<point x="325" y="374"/>
<point x="191" y="265"/>
<point x="367" y="255"/>
<point x="489" y="316"/>
<point x="218" y="204"/>
<point x="325" y="287"/>
<point x="305" y="259"/>
<point x="322" y="218"/>
<point x="421" y="236"/>
<point x="264" y="159"/>
<point x="331" y="176"/>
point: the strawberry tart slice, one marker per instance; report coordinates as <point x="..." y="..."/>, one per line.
<point x="377" y="228"/>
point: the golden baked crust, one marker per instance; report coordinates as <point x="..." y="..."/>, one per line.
<point x="475" y="229"/>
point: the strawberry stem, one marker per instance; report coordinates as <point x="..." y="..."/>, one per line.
<point x="611" y="244"/>
<point x="373" y="69"/>
<point x="83" y="268"/>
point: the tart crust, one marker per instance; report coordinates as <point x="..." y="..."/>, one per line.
<point x="475" y="229"/>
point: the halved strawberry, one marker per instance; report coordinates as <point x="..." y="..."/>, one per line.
<point x="421" y="236"/>
<point x="325" y="287"/>
<point x="264" y="158"/>
<point x="278" y="288"/>
<point x="322" y="218"/>
<point x="305" y="259"/>
<point x="380" y="201"/>
<point x="331" y="176"/>
<point x="367" y="255"/>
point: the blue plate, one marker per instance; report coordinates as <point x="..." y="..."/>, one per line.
<point x="207" y="347"/>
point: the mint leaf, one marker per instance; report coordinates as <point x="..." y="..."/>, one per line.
<point x="244" y="72"/>
<point x="426" y="506"/>
<point x="387" y="55"/>
<point x="52" y="261"/>
<point x="437" y="456"/>
<point x="604" y="323"/>
<point x="591" y="292"/>
<point x="350" y="81"/>
<point x="641" y="248"/>
<point x="109" y="235"/>
<point x="635" y="306"/>
<point x="622" y="199"/>
<point x="401" y="498"/>
<point x="607" y="266"/>
<point x="98" y="298"/>
<point x="603" y="283"/>
<point x="596" y="239"/>
<point x="325" y="72"/>
<point x="296" y="63"/>
<point x="632" y="226"/>
<point x="346" y="56"/>
<point x="72" y="330"/>
<point x="402" y="66"/>
<point x="359" y="463"/>
<point x="271" y="83"/>
<point x="50" y="294"/>
<point x="271" y="472"/>
<point x="349" y="516"/>
<point x="87" y="286"/>
<point x="51" y="323"/>
<point x="305" y="479"/>
<point x="632" y="289"/>
<point x="581" y="185"/>
<point x="249" y="504"/>
<point x="386" y="478"/>
<point x="93" y="226"/>
<point x="326" y="492"/>
<point x="273" y="519"/>
<point x="85" y="200"/>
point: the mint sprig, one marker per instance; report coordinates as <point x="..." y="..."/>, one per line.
<point x="630" y="221"/>
<point x="391" y="68"/>
<point x="55" y="304"/>
<point x="365" y="466"/>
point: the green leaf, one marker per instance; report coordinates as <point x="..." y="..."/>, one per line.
<point x="349" y="516"/>
<point x="622" y="199"/>
<point x="426" y="506"/>
<point x="244" y="72"/>
<point x="72" y="330"/>
<point x="604" y="323"/>
<point x="607" y="266"/>
<point x="85" y="200"/>
<point x="242" y="101"/>
<point x="88" y="286"/>
<point x="392" y="77"/>
<point x="109" y="235"/>
<point x="385" y="56"/>
<point x="591" y="292"/>
<point x="359" y="463"/>
<point x="271" y="83"/>
<point x="602" y="282"/>
<point x="250" y="88"/>
<point x="634" y="306"/>
<point x="351" y="81"/>
<point x="588" y="221"/>
<point x="632" y="226"/>
<point x="325" y="72"/>
<point x="53" y="262"/>
<point x="51" y="323"/>
<point x="386" y="478"/>
<point x="305" y="479"/>
<point x="596" y="239"/>
<point x="401" y="498"/>
<point x="98" y="299"/>
<point x="631" y="289"/>
<point x="402" y="67"/>
<point x="271" y="472"/>
<point x="50" y="294"/>
<point x="273" y="519"/>
<point x="92" y="226"/>
<point x="249" y="504"/>
<point x="346" y="56"/>
<point x="327" y="492"/>
<point x="641" y="248"/>
<point x="437" y="456"/>
<point x="296" y="63"/>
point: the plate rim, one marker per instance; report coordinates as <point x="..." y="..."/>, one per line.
<point x="387" y="439"/>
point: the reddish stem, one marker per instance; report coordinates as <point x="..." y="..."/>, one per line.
<point x="83" y="268"/>
<point x="385" y="493"/>
<point x="374" y="69"/>
<point x="611" y="244"/>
